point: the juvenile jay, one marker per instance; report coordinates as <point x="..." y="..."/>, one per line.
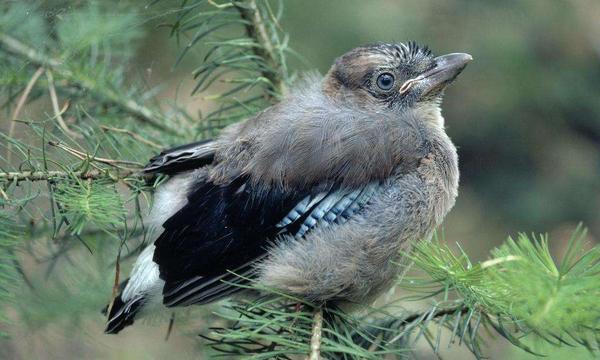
<point x="315" y="196"/>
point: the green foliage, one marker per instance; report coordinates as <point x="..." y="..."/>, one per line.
<point x="243" y="56"/>
<point x="554" y="300"/>
<point x="83" y="201"/>
<point x="69" y="153"/>
<point x="278" y="326"/>
<point x="523" y="287"/>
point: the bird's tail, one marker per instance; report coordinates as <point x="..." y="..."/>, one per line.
<point x="122" y="313"/>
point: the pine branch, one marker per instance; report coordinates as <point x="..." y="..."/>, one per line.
<point x="255" y="29"/>
<point x="133" y="135"/>
<point x="84" y="156"/>
<point x="249" y="59"/>
<point x="399" y="332"/>
<point x="459" y="308"/>
<point x="137" y="110"/>
<point x="18" y="176"/>
<point x="72" y="191"/>
<point x="521" y="290"/>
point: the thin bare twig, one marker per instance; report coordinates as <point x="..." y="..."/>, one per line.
<point x="133" y="135"/>
<point x="170" y="328"/>
<point x="84" y="156"/>
<point x="132" y="107"/>
<point x="115" y="289"/>
<point x="3" y="194"/>
<point x="57" y="111"/>
<point x="19" y="107"/>
<point x="317" y="334"/>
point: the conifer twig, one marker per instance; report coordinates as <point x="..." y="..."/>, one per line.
<point x="462" y="308"/>
<point x="255" y="30"/>
<point x="132" y="107"/>
<point x="133" y="136"/>
<point x="317" y="333"/>
<point x="84" y="156"/>
<point x="17" y="176"/>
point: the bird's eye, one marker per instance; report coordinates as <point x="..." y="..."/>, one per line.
<point x="385" y="81"/>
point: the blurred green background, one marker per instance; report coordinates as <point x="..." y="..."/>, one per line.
<point x="525" y="116"/>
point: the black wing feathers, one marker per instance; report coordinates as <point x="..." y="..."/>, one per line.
<point x="227" y="228"/>
<point x="203" y="290"/>
<point x="122" y="314"/>
<point x="182" y="158"/>
<point x="221" y="228"/>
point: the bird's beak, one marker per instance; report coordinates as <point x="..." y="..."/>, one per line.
<point x="447" y="68"/>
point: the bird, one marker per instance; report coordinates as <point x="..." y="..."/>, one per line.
<point x="316" y="196"/>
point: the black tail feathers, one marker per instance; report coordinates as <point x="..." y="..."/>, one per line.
<point x="122" y="313"/>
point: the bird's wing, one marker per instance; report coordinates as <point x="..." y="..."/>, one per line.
<point x="182" y="158"/>
<point x="228" y="228"/>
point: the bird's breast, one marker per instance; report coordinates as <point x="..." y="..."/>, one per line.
<point x="439" y="173"/>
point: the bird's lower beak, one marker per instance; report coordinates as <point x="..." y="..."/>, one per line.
<point x="445" y="71"/>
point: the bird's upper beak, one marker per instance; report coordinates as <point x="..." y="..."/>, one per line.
<point x="446" y="69"/>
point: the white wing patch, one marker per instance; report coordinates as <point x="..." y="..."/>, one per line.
<point x="144" y="277"/>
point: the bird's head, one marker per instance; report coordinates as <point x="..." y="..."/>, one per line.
<point x="393" y="76"/>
